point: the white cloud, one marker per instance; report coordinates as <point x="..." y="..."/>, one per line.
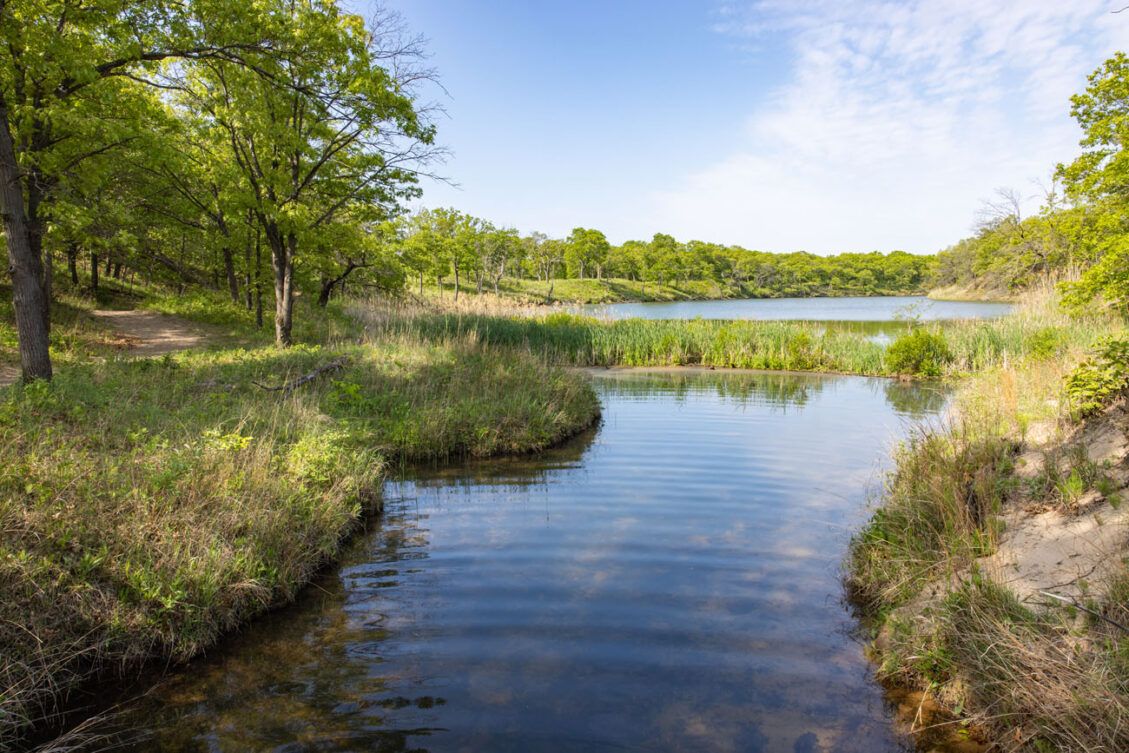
<point x="898" y="118"/>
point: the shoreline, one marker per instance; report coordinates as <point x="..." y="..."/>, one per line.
<point x="1015" y="496"/>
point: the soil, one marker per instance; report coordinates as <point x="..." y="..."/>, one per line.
<point x="140" y="333"/>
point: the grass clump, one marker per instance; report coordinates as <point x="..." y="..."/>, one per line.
<point x="150" y="505"/>
<point x="937" y="516"/>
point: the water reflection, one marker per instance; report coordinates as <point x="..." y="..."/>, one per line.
<point x="669" y="582"/>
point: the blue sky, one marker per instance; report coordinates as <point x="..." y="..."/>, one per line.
<point x="846" y="125"/>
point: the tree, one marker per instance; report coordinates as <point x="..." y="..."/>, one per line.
<point x="1100" y="177"/>
<point x="66" y="69"/>
<point x="586" y="249"/>
<point x="315" y="129"/>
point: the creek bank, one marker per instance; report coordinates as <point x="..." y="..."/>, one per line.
<point x="996" y="563"/>
<point x="153" y="505"/>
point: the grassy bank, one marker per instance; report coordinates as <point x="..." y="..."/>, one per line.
<point x="150" y="505"/>
<point x="619" y="290"/>
<point x="970" y="293"/>
<point x="1038" y="327"/>
<point x="976" y="527"/>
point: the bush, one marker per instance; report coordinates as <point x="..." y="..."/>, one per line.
<point x="1100" y="379"/>
<point x="919" y="353"/>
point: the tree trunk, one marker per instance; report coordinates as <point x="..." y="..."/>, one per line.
<point x="421" y="283"/>
<point x="118" y="270"/>
<point x="258" y="278"/>
<point x="282" y="262"/>
<point x="326" y="291"/>
<point x="456" y="283"/>
<point x="24" y="266"/>
<point x="94" y="272"/>
<point x="109" y="265"/>
<point x="247" y="285"/>
<point x="229" y="270"/>
<point x="48" y="285"/>
<point x="72" y="262"/>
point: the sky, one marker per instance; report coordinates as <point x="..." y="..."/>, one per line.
<point x="778" y="125"/>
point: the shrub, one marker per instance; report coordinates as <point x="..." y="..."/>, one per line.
<point x="919" y="353"/>
<point x="1100" y="379"/>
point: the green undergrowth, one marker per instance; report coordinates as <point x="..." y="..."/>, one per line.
<point x="150" y="505"/>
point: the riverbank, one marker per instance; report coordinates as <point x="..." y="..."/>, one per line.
<point x="971" y="293"/>
<point x="994" y="568"/>
<point x="150" y="505"/>
<point x="619" y="290"/>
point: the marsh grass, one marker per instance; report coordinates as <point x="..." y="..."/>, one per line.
<point x="150" y="505"/>
<point x="1037" y="330"/>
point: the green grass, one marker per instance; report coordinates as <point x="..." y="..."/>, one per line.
<point x="150" y="505"/>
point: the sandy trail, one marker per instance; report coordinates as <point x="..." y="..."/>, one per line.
<point x="143" y="333"/>
<point x="153" y="334"/>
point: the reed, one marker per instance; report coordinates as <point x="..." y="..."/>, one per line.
<point x="1037" y="329"/>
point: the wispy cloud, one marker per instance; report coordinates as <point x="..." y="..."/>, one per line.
<point x="897" y="118"/>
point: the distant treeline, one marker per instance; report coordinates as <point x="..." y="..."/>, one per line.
<point x="447" y="244"/>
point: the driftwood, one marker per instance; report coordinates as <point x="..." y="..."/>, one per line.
<point x="334" y="365"/>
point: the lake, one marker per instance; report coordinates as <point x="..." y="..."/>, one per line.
<point x="860" y="309"/>
<point x="667" y="581"/>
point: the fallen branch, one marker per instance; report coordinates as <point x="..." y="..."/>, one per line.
<point x="335" y="365"/>
<point x="1094" y="612"/>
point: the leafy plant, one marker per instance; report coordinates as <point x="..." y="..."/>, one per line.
<point x="919" y="353"/>
<point x="1100" y="379"/>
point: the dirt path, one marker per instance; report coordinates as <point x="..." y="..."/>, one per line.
<point x="142" y="333"/>
<point x="148" y="333"/>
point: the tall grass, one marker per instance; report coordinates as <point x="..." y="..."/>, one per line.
<point x="1037" y="329"/>
<point x="1034" y="678"/>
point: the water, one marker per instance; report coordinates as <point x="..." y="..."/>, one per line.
<point x="670" y="581"/>
<point x="870" y="309"/>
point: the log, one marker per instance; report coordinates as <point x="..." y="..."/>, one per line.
<point x="287" y="387"/>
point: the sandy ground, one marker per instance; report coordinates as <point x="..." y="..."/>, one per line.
<point x="143" y="333"/>
<point x="151" y="334"/>
<point x="1065" y="549"/>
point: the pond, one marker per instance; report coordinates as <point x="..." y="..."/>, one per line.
<point x="855" y="309"/>
<point x="668" y="581"/>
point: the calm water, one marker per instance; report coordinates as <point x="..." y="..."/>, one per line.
<point x="873" y="309"/>
<point x="667" y="582"/>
